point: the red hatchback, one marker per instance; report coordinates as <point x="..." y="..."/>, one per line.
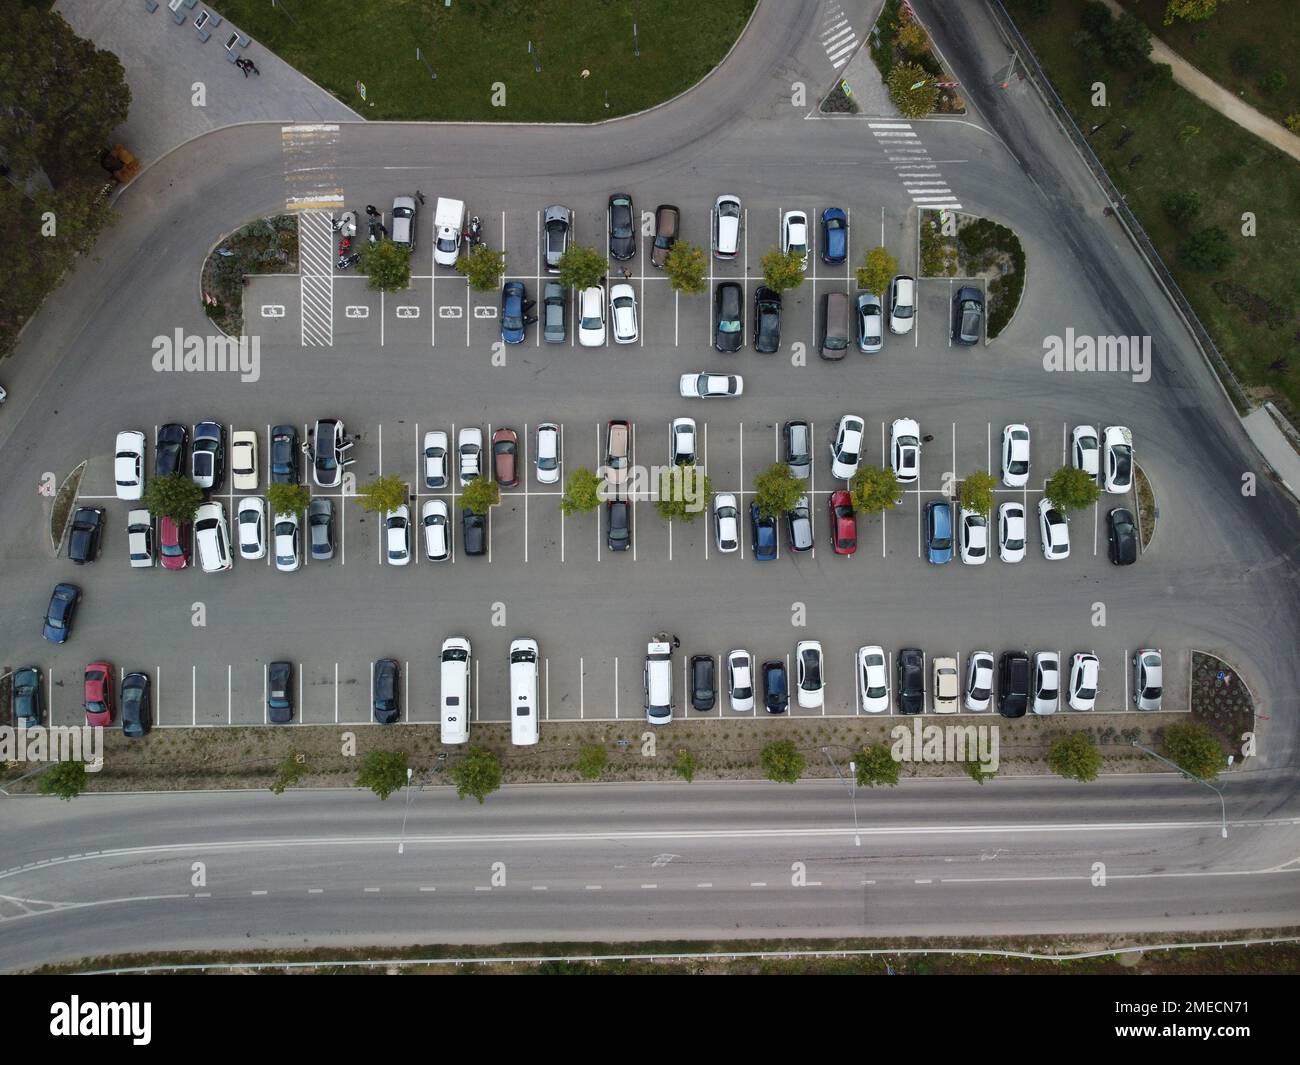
<point x="174" y="549"/>
<point x="505" y="453"/>
<point x="844" y="524"/>
<point x="98" y="694"/>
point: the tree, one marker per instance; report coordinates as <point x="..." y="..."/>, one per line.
<point x="1075" y="757"/>
<point x="387" y="265"/>
<point x="1127" y="42"/>
<point x="174" y="496"/>
<point x="1181" y="205"/>
<point x="1208" y="249"/>
<point x="481" y="494"/>
<point x="1273" y="82"/>
<point x="1071" y="489"/>
<point x="874" y="488"/>
<point x="289" y="498"/>
<point x="1095" y="17"/>
<point x="478" y="774"/>
<point x="782" y="761"/>
<point x="581" y="267"/>
<point x="382" y="494"/>
<point x="1153" y="78"/>
<point x="913" y="90"/>
<point x="67" y="780"/>
<point x="1192" y="747"/>
<point x="877" y="270"/>
<point x="288" y="772"/>
<point x="383" y="772"/>
<point x="483" y="267"/>
<point x="1189" y="10"/>
<point x="591" y="760"/>
<point x="777" y="490"/>
<point x="782" y="270"/>
<point x="581" y="491"/>
<point x="684" y="493"/>
<point x="685" y="266"/>
<point x="876" y="765"/>
<point x="976" y="493"/>
<point x="974" y="769"/>
<point x="684" y="767"/>
<point x="913" y="38"/>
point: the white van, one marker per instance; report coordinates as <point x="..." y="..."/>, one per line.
<point x="658" y="679"/>
<point x="523" y="692"/>
<point x="448" y="218"/>
<point x="457" y="695"/>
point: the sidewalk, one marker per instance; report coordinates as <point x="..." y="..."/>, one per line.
<point x="164" y="61"/>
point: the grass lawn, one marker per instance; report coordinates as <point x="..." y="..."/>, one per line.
<point x="1175" y="142"/>
<point x="476" y="44"/>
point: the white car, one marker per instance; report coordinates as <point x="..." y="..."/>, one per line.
<point x="873" y="679"/>
<point x="128" y="464"/>
<point x="681" y="442"/>
<point x="1084" y="450"/>
<point x="1084" y="669"/>
<point x="591" y="317"/>
<point x="1148" y="678"/>
<point x="740" y="681"/>
<point x="397" y="535"/>
<point x="548" y="453"/>
<point x="902" y="304"/>
<point x="979" y="681"/>
<point x="974" y="537"/>
<point x="1046" y="693"/>
<point x="727" y="216"/>
<point x="811" y="673"/>
<point x="469" y="453"/>
<point x="846" y="451"/>
<point x="1054" y="529"/>
<point x="1118" y="446"/>
<point x="434" y="454"/>
<point x="250" y="527"/>
<point x="905" y="449"/>
<point x="622" y="309"/>
<point x="710" y="385"/>
<point x="139" y="538"/>
<point x="437" y="530"/>
<point x="794" y="236"/>
<point x="1015" y="456"/>
<point x="286" y="542"/>
<point x="1012" y="532"/>
<point x="243" y="460"/>
<point x="726" y="522"/>
<point x="947" y="685"/>
<point x="212" y="538"/>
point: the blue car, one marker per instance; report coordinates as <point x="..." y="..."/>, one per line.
<point x="938" y="532"/>
<point x="512" y="312"/>
<point x="62" y="609"/>
<point x="835" y="235"/>
<point x="762" y="534"/>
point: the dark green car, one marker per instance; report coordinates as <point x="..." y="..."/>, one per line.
<point x="29" y="697"/>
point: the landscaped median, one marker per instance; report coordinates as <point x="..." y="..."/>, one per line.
<point x="967" y="247"/>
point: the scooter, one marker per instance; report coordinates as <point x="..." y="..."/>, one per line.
<point x="346" y="225"/>
<point x="474" y="231"/>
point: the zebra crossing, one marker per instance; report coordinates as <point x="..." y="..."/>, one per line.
<point x="837" y="36"/>
<point x="912" y="163"/>
<point x="316" y="277"/>
<point x="310" y="155"/>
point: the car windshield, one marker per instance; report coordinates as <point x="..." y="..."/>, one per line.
<point x="446" y="243"/>
<point x="729" y="209"/>
<point x="729" y="325"/>
<point x="511" y="321"/>
<point x="835" y="343"/>
<point x="1122" y="458"/>
<point x="849" y="456"/>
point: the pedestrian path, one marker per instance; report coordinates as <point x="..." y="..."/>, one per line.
<point x="911" y="161"/>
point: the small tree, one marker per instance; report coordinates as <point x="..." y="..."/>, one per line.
<point x="481" y="495"/>
<point x="777" y="490"/>
<point x="913" y="38"/>
<point x="581" y="267"/>
<point x="67" y="780"/>
<point x="782" y="761"/>
<point x="581" y="491"/>
<point x="288" y="772"/>
<point x="974" y="769"/>
<point x="478" y="774"/>
<point x="383" y="772"/>
<point x="874" y="488"/>
<point x="876" y="765"/>
<point x="684" y="767"/>
<point x="684" y="493"/>
<point x="1208" y="249"/>
<point x="1189" y="10"/>
<point x="1127" y="41"/>
<point x="782" y="270"/>
<point x="287" y="498"/>
<point x="1075" y="757"/>
<point x="387" y="266"/>
<point x="1273" y="82"/>
<point x="591" y="760"/>
<point x="1193" y="748"/>
<point x="913" y="90"/>
<point x="1181" y="205"/>
<point x="1071" y="489"/>
<point x="382" y="494"/>
<point x="483" y="267"/>
<point x="174" y="496"/>
<point x="976" y="493"/>
<point x="877" y="270"/>
<point x="685" y="266"/>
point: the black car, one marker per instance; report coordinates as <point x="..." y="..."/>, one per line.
<point x="1123" y="537"/>
<point x="59" y="615"/>
<point x="967" y="316"/>
<point x="29" y="697"/>
<point x="208" y="456"/>
<point x="622" y="227"/>
<point x="473" y="532"/>
<point x="387" y="705"/>
<point x="729" y="312"/>
<point x="170" y="450"/>
<point x="911" y="681"/>
<point x="776" y="687"/>
<point x="1013" y="684"/>
<point x="767" y="320"/>
<point x="618" y="524"/>
<point x="285" y="452"/>
<point x="798" y="526"/>
<point x="137" y="706"/>
<point x="87" y="530"/>
<point x="703" y="682"/>
<point x="279" y="693"/>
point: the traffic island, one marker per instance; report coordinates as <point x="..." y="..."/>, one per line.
<point x="967" y="247"/>
<point x="1221" y="701"/>
<point x="265" y="246"/>
<point x="1148" y="512"/>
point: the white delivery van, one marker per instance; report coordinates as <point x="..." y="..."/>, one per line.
<point x="448" y="219"/>
<point x="457" y="694"/>
<point x="523" y="692"/>
<point x="659" y="682"/>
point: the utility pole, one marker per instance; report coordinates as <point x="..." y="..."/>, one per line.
<point x="1223" y="813"/>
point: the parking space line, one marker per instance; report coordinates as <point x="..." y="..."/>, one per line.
<point x="616" y="687"/>
<point x="301" y="705"/>
<point x="525" y="471"/>
<point x="336" y="693"/>
<point x="230" y="699"/>
<point x="406" y="690"/>
<point x="582" y="705"/>
<point x="265" y="720"/>
<point x="194" y="695"/>
<point x="546" y="670"/>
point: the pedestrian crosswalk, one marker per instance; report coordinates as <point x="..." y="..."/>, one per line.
<point x="837" y="36"/>
<point x="316" y="277"/>
<point x="911" y="161"/>
<point x="310" y="155"/>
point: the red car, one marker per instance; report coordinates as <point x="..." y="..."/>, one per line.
<point x="505" y="452"/>
<point x="174" y="550"/>
<point x="844" y="524"/>
<point x="98" y="695"/>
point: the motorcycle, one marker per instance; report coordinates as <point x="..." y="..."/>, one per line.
<point x="346" y="262"/>
<point x="346" y="225"/>
<point x="474" y="232"/>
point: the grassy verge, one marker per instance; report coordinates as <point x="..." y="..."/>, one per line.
<point x="266" y="246"/>
<point x="479" y="51"/>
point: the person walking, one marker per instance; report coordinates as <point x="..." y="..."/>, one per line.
<point x="242" y="64"/>
<point x="927" y="438"/>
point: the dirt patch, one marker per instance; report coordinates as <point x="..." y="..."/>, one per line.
<point x="266" y="246"/>
<point x="840" y="100"/>
<point x="1147" y="509"/>
<point x="1220" y="700"/>
<point x="64" y="499"/>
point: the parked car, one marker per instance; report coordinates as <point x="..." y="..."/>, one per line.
<point x="97" y="694"/>
<point x="1118" y="445"/>
<point x="212" y="538"/>
<point x="622" y="227"/>
<point x="740" y="681"/>
<point x="776" y="687"/>
<point x="170" y="450"/>
<point x="835" y="325"/>
<point x="86" y="534"/>
<point x="436" y="525"/>
<point x="287" y="553"/>
<point x="397" y="535"/>
<point x="729" y="316"/>
<point x="844" y="523"/>
<point x="798" y="526"/>
<point x="505" y="457"/>
<point x="727" y="217"/>
<point x="762" y="532"/>
<point x="434" y="453"/>
<point x="513" y="295"/>
<point x="403" y="220"/>
<point x="473" y="532"/>
<point x="798" y="448"/>
<point x="173" y="543"/>
<point x="61" y="612"/>
<point x="873" y="679"/>
<point x="1054" y="530"/>
<point x="911" y="681"/>
<point x="622" y="313"/>
<point x="285" y="452"/>
<point x="681" y="442"/>
<point x="1012" y="532"/>
<point x="1148" y="678"/>
<point x="618" y="524"/>
<point x="974" y="537"/>
<point x="905" y="449"/>
<point x="946" y="683"/>
<point x="137" y="705"/>
<point x="871" y="323"/>
<point x="548" y="453"/>
<point x="809" y="669"/>
<point x="902" y="304"/>
<point x="767" y="320"/>
<point x="703" y="682"/>
<point x="979" y="681"/>
<point x="1085" y="452"/>
<point x="29" y="697"/>
<point x="591" y="317"/>
<point x="331" y="449"/>
<point x="1084" y="669"/>
<point x="846" y="451"/>
<point x="208" y="457"/>
<point x="1122" y="537"/>
<point x="555" y="313"/>
<point x="1013" y="684"/>
<point x="557" y="225"/>
<point x="726" y="522"/>
<point x="250" y="527"/>
<point x="386" y="690"/>
<point x="710" y="386"/>
<point x="128" y="464"/>
<point x="668" y="220"/>
<point x="243" y="460"/>
<point x="967" y="316"/>
<point x="1047" y="682"/>
<point x="469" y="453"/>
<point x="320" y="528"/>
<point x="835" y="235"/>
<point x="938" y="531"/>
<point x="1015" y="455"/>
<point x="794" y="236"/>
<point x="618" y="444"/>
<point x="279" y="693"/>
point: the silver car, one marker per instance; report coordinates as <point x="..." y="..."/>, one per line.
<point x="1148" y="678"/>
<point x="320" y="526"/>
<point x="555" y="313"/>
<point x="871" y="323"/>
<point x="557" y="226"/>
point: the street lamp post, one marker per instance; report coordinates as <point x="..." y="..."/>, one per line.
<point x="1223" y="811"/>
<point x="852" y="784"/>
